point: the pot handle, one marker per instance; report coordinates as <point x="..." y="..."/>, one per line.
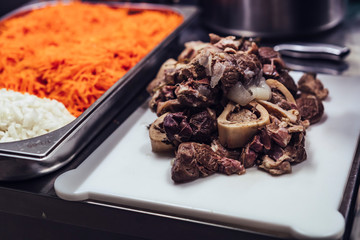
<point x="313" y="51"/>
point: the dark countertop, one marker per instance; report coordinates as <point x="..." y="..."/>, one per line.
<point x="31" y="210"/>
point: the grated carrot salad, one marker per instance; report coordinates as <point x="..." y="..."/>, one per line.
<point x="75" y="52"/>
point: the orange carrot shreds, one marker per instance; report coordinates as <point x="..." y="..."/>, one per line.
<point x="75" y="52"/>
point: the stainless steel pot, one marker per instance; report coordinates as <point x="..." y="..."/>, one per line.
<point x="272" y="18"/>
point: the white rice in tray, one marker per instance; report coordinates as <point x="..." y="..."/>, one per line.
<point x="24" y="116"/>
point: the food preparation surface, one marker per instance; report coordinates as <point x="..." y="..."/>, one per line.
<point x="304" y="204"/>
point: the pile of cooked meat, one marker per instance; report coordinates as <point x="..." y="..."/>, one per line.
<point x="228" y="105"/>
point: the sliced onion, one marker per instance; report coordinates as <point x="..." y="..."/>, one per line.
<point x="261" y="92"/>
<point x="218" y="71"/>
<point x="248" y="73"/>
<point x="239" y="94"/>
<point x="205" y="59"/>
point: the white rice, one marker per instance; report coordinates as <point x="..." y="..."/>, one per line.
<point x="24" y="116"/>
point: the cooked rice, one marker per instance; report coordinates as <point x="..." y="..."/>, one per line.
<point x="24" y="116"/>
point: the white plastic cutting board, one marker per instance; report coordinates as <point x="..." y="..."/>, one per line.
<point x="304" y="204"/>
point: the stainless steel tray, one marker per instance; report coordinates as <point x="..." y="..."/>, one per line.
<point x="37" y="156"/>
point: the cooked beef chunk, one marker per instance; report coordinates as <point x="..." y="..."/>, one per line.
<point x="224" y="152"/>
<point x="193" y="70"/>
<point x="228" y="42"/>
<point x="185" y="166"/>
<point x="228" y="66"/>
<point x="250" y="67"/>
<point x="214" y="38"/>
<point x="296" y="151"/>
<point x="256" y="144"/>
<point x="241" y="44"/>
<point x="177" y="127"/>
<point x="172" y="105"/>
<point x="278" y="132"/>
<point x="162" y="94"/>
<point x="196" y="93"/>
<point x="311" y="108"/>
<point x="287" y="81"/>
<point x="265" y="139"/>
<point x="279" y="99"/>
<point x="198" y="127"/>
<point x="248" y="156"/>
<point x="230" y="166"/>
<point x="269" y="71"/>
<point x="248" y="46"/>
<point x="230" y="76"/>
<point x="203" y="125"/>
<point x="268" y="55"/>
<point x="274" y="67"/>
<point x="194" y="160"/>
<point x="162" y="78"/>
<point x="275" y="167"/>
<point x="308" y="83"/>
<point x="191" y="50"/>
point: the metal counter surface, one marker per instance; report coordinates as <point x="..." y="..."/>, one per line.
<point x="31" y="210"/>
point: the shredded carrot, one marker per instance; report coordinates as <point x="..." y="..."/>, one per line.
<point x="75" y="52"/>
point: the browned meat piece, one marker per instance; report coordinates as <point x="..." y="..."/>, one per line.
<point x="162" y="94"/>
<point x="177" y="127"/>
<point x="198" y="127"/>
<point x="296" y="150"/>
<point x="224" y="152"/>
<point x="267" y="53"/>
<point x="230" y="75"/>
<point x="196" y="93"/>
<point x="248" y="46"/>
<point x="172" y="105"/>
<point x="250" y="67"/>
<point x="193" y="70"/>
<point x="194" y="160"/>
<point x="214" y="38"/>
<point x="191" y="50"/>
<point x="275" y="167"/>
<point x="279" y="100"/>
<point x="278" y="132"/>
<point x="256" y="144"/>
<point x="269" y="71"/>
<point x="269" y="56"/>
<point x="308" y="83"/>
<point x="203" y="125"/>
<point x="227" y="66"/>
<point x="248" y="156"/>
<point x="287" y="81"/>
<point x="230" y="166"/>
<point x="185" y="166"/>
<point x="228" y="42"/>
<point x="311" y="108"/>
<point x="265" y="139"/>
<point x="162" y="78"/>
